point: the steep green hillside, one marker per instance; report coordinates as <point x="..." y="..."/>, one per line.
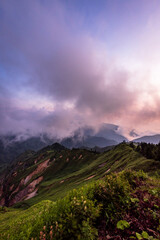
<point x="53" y="171"/>
<point x="110" y="202"/>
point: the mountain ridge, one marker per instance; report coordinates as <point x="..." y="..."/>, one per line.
<point x="48" y="171"/>
<point x="155" y="139"/>
<point x="12" y="145"/>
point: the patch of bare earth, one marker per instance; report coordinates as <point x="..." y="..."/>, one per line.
<point x="40" y="168"/>
<point x="27" y="192"/>
<point x="90" y="177"/>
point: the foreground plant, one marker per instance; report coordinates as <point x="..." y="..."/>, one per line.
<point x="113" y="207"/>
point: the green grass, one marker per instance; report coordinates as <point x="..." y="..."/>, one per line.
<point x="13" y="220"/>
<point x="79" y="214"/>
<point x="102" y="180"/>
<point x="63" y="176"/>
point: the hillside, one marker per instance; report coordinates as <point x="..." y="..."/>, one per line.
<point x="51" y="172"/>
<point x="10" y="148"/>
<point x="119" y="206"/>
<point x="44" y="184"/>
<point x="13" y="145"/>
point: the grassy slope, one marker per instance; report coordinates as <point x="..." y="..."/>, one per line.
<point x="63" y="176"/>
<point x="89" y="212"/>
<point x="74" y="174"/>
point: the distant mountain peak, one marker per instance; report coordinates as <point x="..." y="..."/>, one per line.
<point x="149" y="139"/>
<point x="57" y="146"/>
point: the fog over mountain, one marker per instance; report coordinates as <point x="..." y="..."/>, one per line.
<point x="13" y="145"/>
<point x="64" y="66"/>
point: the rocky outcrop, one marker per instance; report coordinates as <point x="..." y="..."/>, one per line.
<point x="41" y="167"/>
<point x="27" y="192"/>
<point x="21" y="180"/>
<point x="12" y="193"/>
<point x="32" y="194"/>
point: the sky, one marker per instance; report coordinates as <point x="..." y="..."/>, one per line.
<point x="67" y="64"/>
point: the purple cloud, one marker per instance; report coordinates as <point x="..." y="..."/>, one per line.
<point x="45" y="51"/>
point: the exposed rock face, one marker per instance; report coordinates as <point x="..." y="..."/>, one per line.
<point x="27" y="192"/>
<point x="11" y="193"/>
<point x="41" y="167"/>
<point x="21" y="180"/>
<point x="90" y="177"/>
<point x="30" y="195"/>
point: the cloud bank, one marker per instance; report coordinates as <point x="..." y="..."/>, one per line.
<point x="46" y="54"/>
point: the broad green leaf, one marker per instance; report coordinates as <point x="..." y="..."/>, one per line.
<point x="139" y="236"/>
<point x="122" y="224"/>
<point x="145" y="235"/>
